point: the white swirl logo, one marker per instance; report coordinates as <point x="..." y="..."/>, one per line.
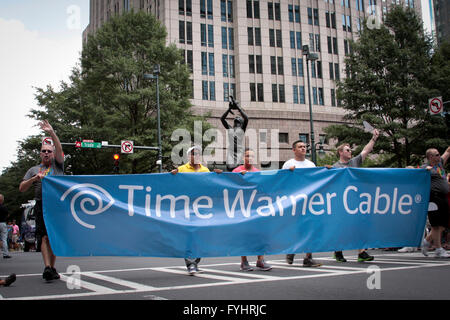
<point x="92" y="190"/>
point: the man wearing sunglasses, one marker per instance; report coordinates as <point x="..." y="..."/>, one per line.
<point x="439" y="218"/>
<point x="52" y="163"/>
<point x="346" y="160"/>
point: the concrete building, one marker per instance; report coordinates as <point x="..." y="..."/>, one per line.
<point x="442" y="20"/>
<point x="253" y="51"/>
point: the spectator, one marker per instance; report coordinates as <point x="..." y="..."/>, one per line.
<point x="439" y="218"/>
<point x="52" y="163"/>
<point x="3" y="227"/>
<point x="300" y="161"/>
<point x="194" y="165"/>
<point x="344" y="153"/>
<point x="248" y="166"/>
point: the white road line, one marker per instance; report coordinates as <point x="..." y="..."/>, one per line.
<point x="201" y="275"/>
<point x="248" y="274"/>
<point x="91" y="286"/>
<point x="125" y="283"/>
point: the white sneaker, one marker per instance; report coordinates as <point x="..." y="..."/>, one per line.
<point x="425" y="247"/>
<point x="406" y="249"/>
<point x="441" y="253"/>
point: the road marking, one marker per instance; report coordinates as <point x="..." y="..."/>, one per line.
<point x="235" y="277"/>
<point x="124" y="283"/>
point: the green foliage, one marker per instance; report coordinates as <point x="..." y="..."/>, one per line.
<point x="108" y="99"/>
<point x="388" y="85"/>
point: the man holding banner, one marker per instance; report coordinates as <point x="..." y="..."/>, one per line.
<point x="194" y="165"/>
<point x="300" y="161"/>
<point x="52" y="163"/>
<point x="344" y="153"/>
<point x="439" y="218"/>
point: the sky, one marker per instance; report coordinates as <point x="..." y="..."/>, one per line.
<point x="40" y="43"/>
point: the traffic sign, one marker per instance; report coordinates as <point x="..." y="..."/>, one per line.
<point x="92" y="145"/>
<point x="77" y="144"/>
<point x="47" y="140"/>
<point x="436" y="105"/>
<point x="127" y="146"/>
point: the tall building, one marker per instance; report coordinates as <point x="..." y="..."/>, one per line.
<point x="252" y="50"/>
<point x="442" y="19"/>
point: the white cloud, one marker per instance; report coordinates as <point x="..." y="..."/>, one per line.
<point x="28" y="60"/>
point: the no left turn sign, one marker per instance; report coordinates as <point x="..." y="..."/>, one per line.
<point x="127" y="146"/>
<point x="436" y="105"/>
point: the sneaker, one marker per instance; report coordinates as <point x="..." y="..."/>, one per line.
<point x="55" y="274"/>
<point x="47" y="274"/>
<point x="441" y="253"/>
<point x="262" y="265"/>
<point x="192" y="269"/>
<point x="245" y="266"/>
<point x="6" y="257"/>
<point x="364" y="256"/>
<point x="290" y="258"/>
<point x="425" y="247"/>
<point x="406" y="249"/>
<point x="310" y="263"/>
<point x="10" y="279"/>
<point x="339" y="256"/>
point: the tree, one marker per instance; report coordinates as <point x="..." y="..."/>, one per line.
<point x="108" y="98"/>
<point x="387" y="84"/>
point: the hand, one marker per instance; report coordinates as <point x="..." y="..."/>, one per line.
<point x="174" y="171"/>
<point x="375" y="134"/>
<point x="243" y="172"/>
<point x="328" y="166"/>
<point x="292" y="168"/>
<point x="218" y="170"/>
<point x="46" y="126"/>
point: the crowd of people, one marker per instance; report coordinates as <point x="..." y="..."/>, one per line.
<point x="52" y="163"/>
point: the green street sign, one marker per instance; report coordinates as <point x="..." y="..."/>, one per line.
<point x="92" y="145"/>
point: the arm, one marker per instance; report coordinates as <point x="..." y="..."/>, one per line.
<point x="59" y="155"/>
<point x="26" y="184"/>
<point x="369" y="147"/>
<point x="446" y="155"/>
<point x="244" y="116"/>
<point x="223" y="119"/>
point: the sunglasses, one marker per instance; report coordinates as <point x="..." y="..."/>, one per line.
<point x="46" y="151"/>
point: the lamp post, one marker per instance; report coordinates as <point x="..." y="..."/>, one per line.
<point x="310" y="57"/>
<point x="155" y="75"/>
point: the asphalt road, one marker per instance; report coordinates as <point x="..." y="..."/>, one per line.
<point x="391" y="275"/>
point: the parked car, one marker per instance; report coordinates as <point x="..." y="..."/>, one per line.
<point x="28" y="226"/>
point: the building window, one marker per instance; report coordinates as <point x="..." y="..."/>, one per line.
<point x="304" y="137"/>
<point x="333" y="97"/>
<point x="226" y="10"/>
<point x="227" y="38"/>
<point x="260" y="88"/>
<point x="252" y="92"/>
<point x="255" y="12"/>
<point x="283" y="137"/>
<point x="259" y="67"/>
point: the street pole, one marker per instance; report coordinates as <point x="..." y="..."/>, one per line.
<point x="310" y="57"/>
<point x="155" y="75"/>
<point x="156" y="72"/>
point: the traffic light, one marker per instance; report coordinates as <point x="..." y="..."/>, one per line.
<point x="116" y="163"/>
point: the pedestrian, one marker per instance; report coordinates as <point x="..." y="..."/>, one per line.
<point x="194" y="165"/>
<point x="15" y="235"/>
<point x="439" y="219"/>
<point x="300" y="161"/>
<point x="248" y="166"/>
<point x="3" y="227"/>
<point x="52" y="163"/>
<point x="344" y="153"/>
<point x="8" y="281"/>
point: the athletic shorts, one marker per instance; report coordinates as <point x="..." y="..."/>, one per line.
<point x="41" y="230"/>
<point x="440" y="217"/>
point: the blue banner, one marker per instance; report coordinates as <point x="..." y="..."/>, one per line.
<point x="230" y="214"/>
